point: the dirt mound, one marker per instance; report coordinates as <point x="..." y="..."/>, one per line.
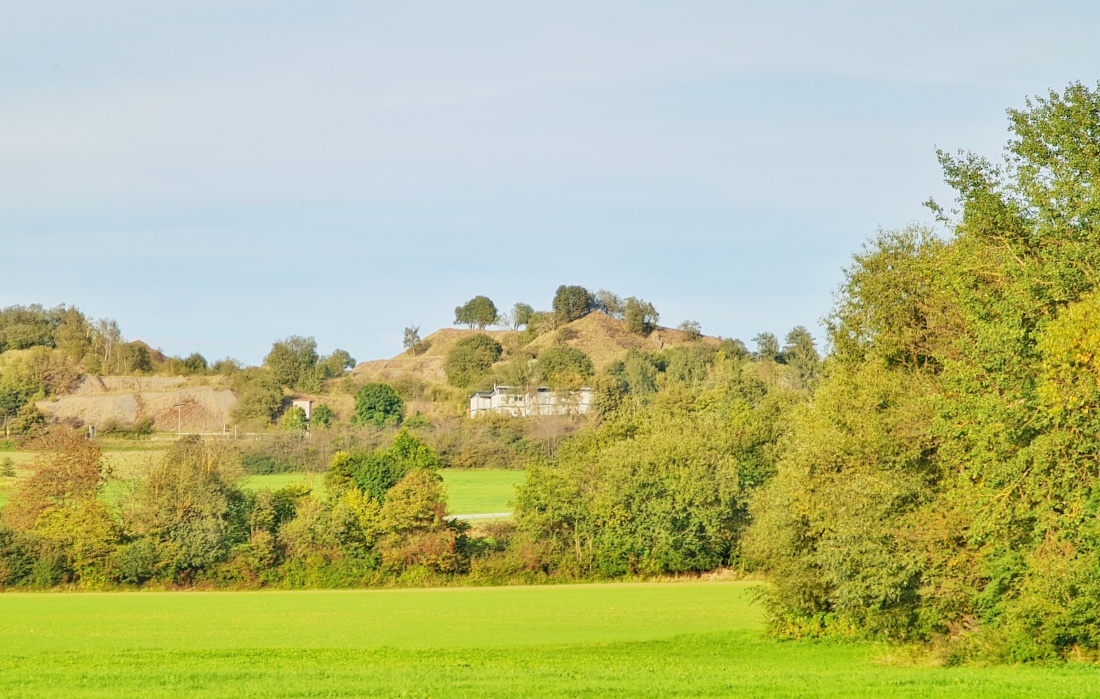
<point x="100" y="400"/>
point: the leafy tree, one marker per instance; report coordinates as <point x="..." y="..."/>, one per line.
<point x="471" y="359"/>
<point x="195" y="363"/>
<point x="521" y="315"/>
<point x="734" y="349"/>
<point x="323" y="416"/>
<point x="564" y="366"/>
<point x="800" y="354"/>
<point x="767" y="347"/>
<point x="292" y="361"/>
<point x="226" y="367"/>
<point x="692" y="329"/>
<point x="336" y="364"/>
<point x="609" y="303"/>
<point x="378" y="404"/>
<point x="68" y="469"/>
<point x="294" y="419"/>
<point x="479" y="312"/>
<point x="189" y="506"/>
<point x="411" y="337"/>
<point x="375" y="472"/>
<point x="142" y="360"/>
<point x="640" y="316"/>
<point x="259" y="396"/>
<point x="572" y="302"/>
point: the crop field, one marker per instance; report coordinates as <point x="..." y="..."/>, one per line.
<point x="640" y="640"/>
<point x="468" y="492"/>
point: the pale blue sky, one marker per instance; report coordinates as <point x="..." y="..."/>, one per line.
<point x="219" y="175"/>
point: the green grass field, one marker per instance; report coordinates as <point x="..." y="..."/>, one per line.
<point x="468" y="492"/>
<point x="656" y="640"/>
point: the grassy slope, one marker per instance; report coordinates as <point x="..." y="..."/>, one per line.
<point x="468" y="492"/>
<point x="587" y="641"/>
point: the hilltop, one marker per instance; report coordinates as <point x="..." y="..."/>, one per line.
<point x="603" y="338"/>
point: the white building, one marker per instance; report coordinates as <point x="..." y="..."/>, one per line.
<point x="305" y="404"/>
<point x="505" y="400"/>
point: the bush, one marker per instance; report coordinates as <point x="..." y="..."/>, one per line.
<point x="378" y="404"/>
<point x="470" y="360"/>
<point x="564" y="366"/>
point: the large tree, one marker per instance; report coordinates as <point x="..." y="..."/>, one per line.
<point x="479" y="312"/>
<point x="572" y="302"/>
<point x="292" y="361"/>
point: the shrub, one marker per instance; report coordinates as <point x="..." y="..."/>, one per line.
<point x="562" y="365"/>
<point x="378" y="404"/>
<point x="470" y="360"/>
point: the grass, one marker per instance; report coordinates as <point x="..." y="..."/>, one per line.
<point x="656" y="640"/>
<point x="468" y="492"/>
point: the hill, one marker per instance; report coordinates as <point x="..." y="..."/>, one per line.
<point x="603" y="338"/>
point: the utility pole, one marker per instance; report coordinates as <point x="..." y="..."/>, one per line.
<point x="179" y="420"/>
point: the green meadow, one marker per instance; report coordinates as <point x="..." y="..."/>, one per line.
<point x="619" y="640"/>
<point x="468" y="491"/>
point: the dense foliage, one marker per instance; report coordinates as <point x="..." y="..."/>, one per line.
<point x="943" y="484"/>
<point x="188" y="522"/>
<point x="378" y="404"/>
<point x="469" y="362"/>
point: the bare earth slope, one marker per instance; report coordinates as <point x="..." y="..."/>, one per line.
<point x="98" y="400"/>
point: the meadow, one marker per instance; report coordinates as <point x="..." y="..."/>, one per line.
<point x="468" y="491"/>
<point x="615" y="640"/>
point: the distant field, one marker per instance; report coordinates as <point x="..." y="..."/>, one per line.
<point x="658" y="640"/>
<point x="468" y="492"/>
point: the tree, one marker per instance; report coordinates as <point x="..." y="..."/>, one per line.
<point x="67" y="469"/>
<point x="609" y="303"/>
<point x="195" y="363"/>
<point x="294" y="420"/>
<point x="640" y="316"/>
<point x="800" y="354"/>
<point x="293" y="360"/>
<point x="692" y="329"/>
<point x="564" y="366"/>
<point x="521" y="315"/>
<point x="471" y="359"/>
<point x="259" y="396"/>
<point x="375" y="472"/>
<point x="378" y="404"/>
<point x="336" y="364"/>
<point x="572" y="302"/>
<point x="191" y="508"/>
<point x="323" y="416"/>
<point x="767" y="347"/>
<point x="479" y="312"/>
<point x="411" y="337"/>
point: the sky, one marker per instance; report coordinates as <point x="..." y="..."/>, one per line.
<point x="217" y="176"/>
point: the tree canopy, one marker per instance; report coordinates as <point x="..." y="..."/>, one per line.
<point x="572" y="302"/>
<point x="479" y="312"/>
